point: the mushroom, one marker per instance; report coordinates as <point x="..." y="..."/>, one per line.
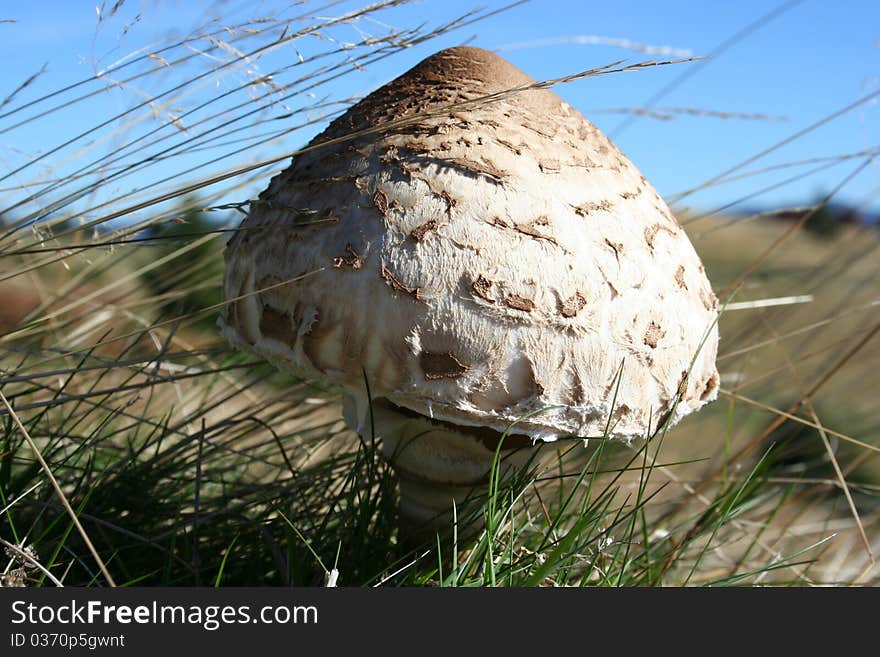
<point x="489" y="263"/>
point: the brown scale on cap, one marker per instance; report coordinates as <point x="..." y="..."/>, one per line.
<point x="380" y="200"/>
<point x="482" y="287"/>
<point x="418" y="233"/>
<point x="595" y="206"/>
<point x="519" y="303"/>
<point x="679" y="277"/>
<point x="395" y="283"/>
<point x="711" y="386"/>
<point x="710" y="301"/>
<point x="573" y="305"/>
<point x="538" y="229"/>
<point x="441" y="366"/>
<point x="651" y="233"/>
<point x="653" y="335"/>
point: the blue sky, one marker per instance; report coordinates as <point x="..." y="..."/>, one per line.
<point x="812" y="60"/>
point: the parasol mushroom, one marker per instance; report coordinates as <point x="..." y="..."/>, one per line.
<point x="480" y="259"/>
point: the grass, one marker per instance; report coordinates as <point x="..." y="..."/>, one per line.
<point x="181" y="463"/>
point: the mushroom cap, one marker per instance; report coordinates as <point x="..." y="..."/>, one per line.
<point x="496" y="262"/>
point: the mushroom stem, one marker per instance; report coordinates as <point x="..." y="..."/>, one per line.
<point x="444" y="471"/>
